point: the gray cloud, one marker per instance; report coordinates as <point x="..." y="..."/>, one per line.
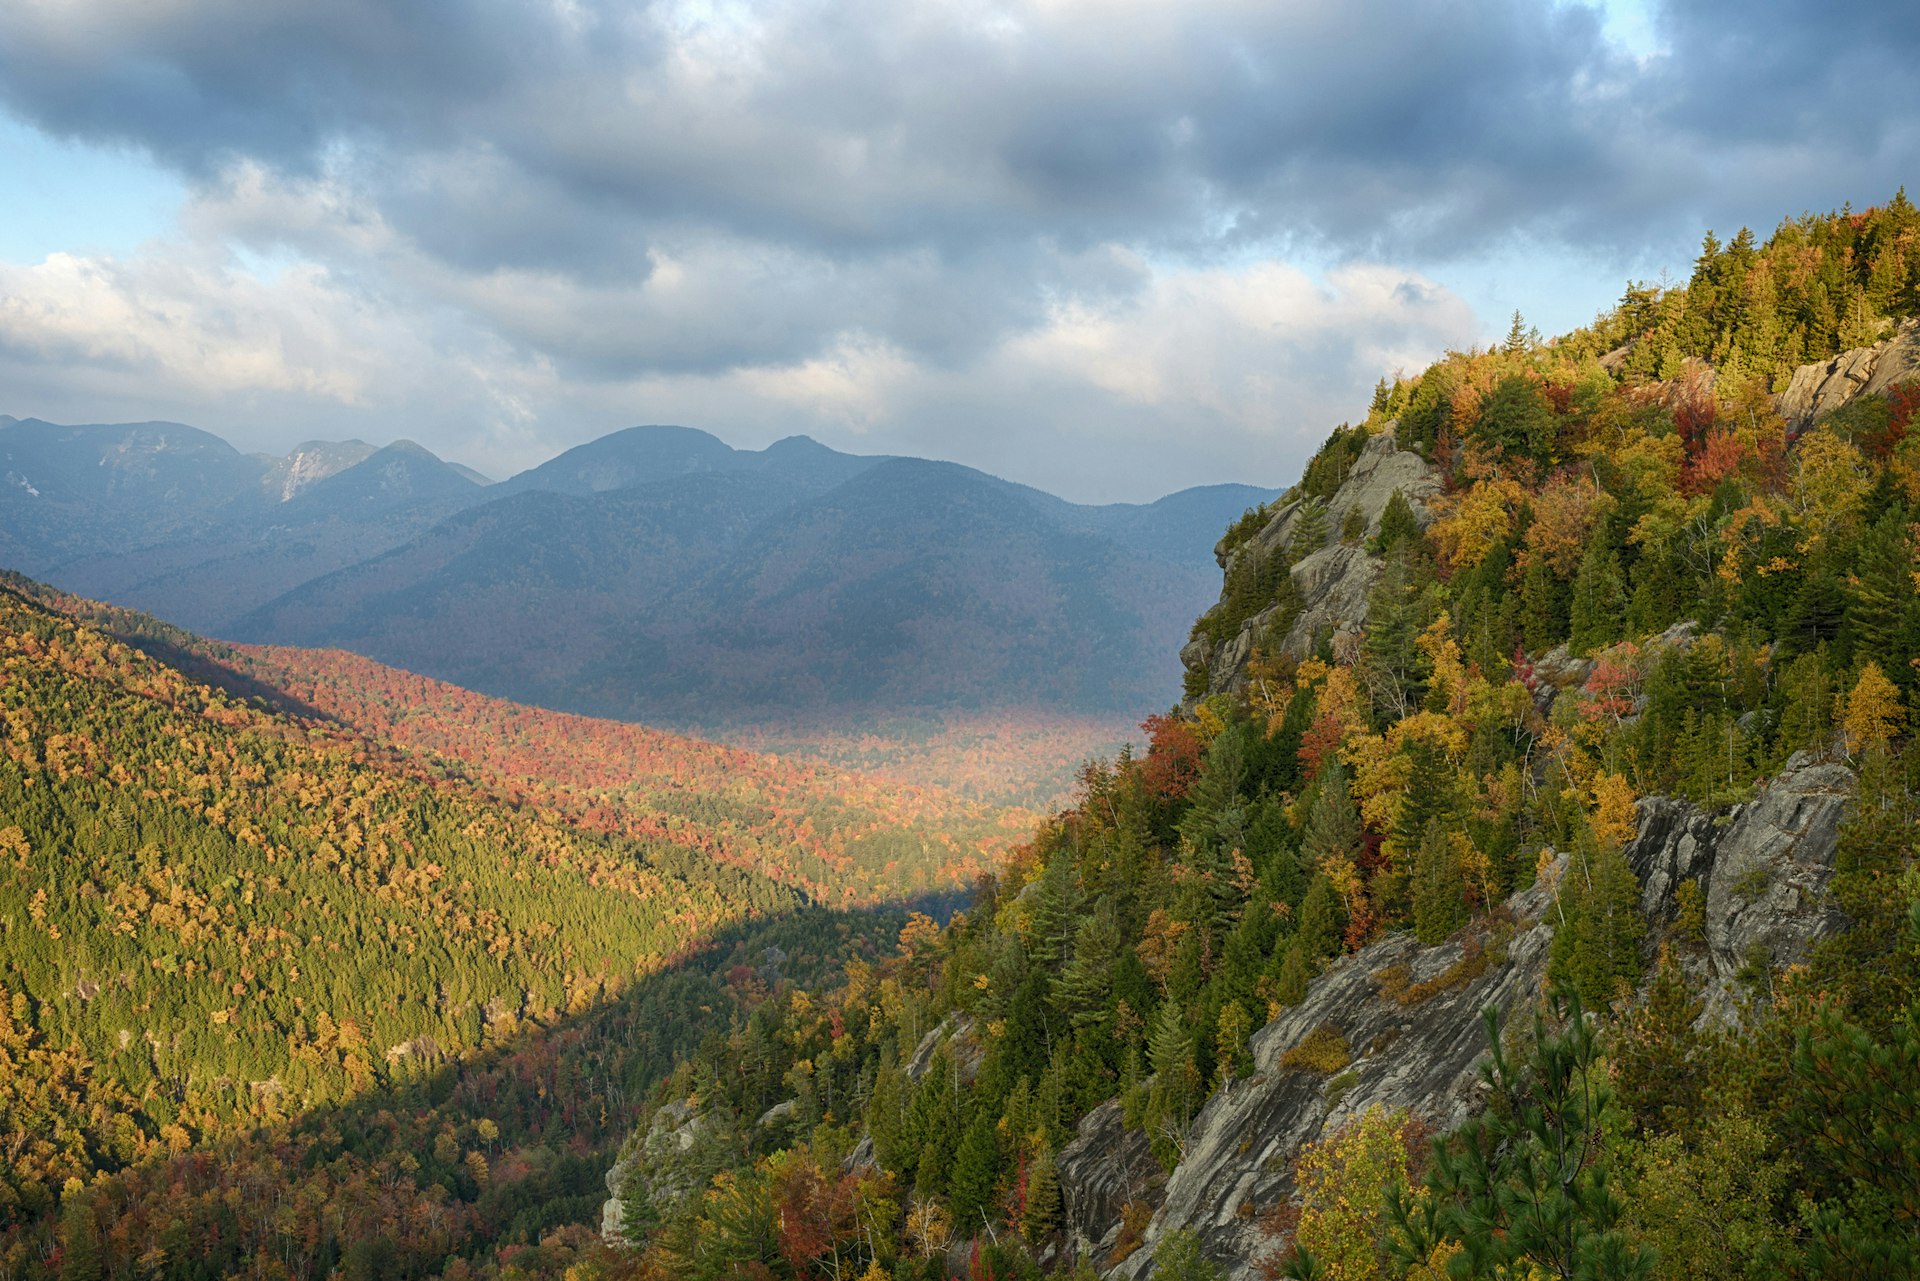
<point x="576" y="205"/>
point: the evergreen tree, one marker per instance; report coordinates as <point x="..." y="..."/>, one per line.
<point x="1308" y="531"/>
<point x="1333" y="819"/>
<point x="975" y="1173"/>
<point x="1321" y="924"/>
<point x="1518" y="418"/>
<point x="1176" y="1077"/>
<point x="1398" y="523"/>
<point x="1439" y="886"/>
<point x="1290" y="982"/>
<point x="1396" y="669"/>
<point x="1519" y="1189"/>
<point x="1042" y="1211"/>
<point x="1543" y="607"/>
<point x="1597" y="932"/>
<point x="1599" y="605"/>
<point x="1056" y="915"/>
<point x="1882" y="607"/>
<point x="1085" y="988"/>
<point x="79" y="1237"/>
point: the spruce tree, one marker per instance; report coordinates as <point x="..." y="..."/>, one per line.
<point x="975" y="1172"/>
<point x="1042" y="1211"/>
<point x="1439" y="886"/>
<point x="1596" y="942"/>
<point x="1333" y="819"/>
<point x="1396" y="668"/>
<point x="1087" y="983"/>
<point x="1398" y="524"/>
<point x="1291" y="976"/>
<point x="1598" y="610"/>
<point x="1320" y="924"/>
<point x="1882" y="608"/>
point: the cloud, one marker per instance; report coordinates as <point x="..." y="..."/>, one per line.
<point x="1148" y="379"/>
<point x="1070" y="219"/>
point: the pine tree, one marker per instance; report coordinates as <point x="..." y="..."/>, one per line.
<point x="1519" y="1188"/>
<point x="1042" y="1212"/>
<point x="1599" y="599"/>
<point x="79" y="1237"/>
<point x="1659" y="1060"/>
<point x="1543" y="607"/>
<point x="1882" y="608"/>
<point x="975" y="1173"/>
<point x="1333" y="819"/>
<point x="1396" y="668"/>
<point x="1055" y="915"/>
<point x="1439" y="886"/>
<point x="1290" y="983"/>
<point x="1175" y="1080"/>
<point x="1085" y="987"/>
<point x="1308" y="531"/>
<point x="1398" y="523"/>
<point x="1320" y="924"/>
<point x="1596" y="941"/>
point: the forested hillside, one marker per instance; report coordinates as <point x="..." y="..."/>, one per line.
<point x="1632" y="579"/>
<point x="841" y="837"/>
<point x="276" y="997"/>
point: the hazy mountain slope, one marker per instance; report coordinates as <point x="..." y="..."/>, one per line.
<point x="70" y="491"/>
<point x="258" y="542"/>
<point x="841" y="836"/>
<point x="918" y="584"/>
<point x="639" y="456"/>
<point x="748" y="594"/>
<point x="514" y="598"/>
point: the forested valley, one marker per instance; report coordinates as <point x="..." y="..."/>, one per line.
<point x="301" y="980"/>
<point x="1733" y="593"/>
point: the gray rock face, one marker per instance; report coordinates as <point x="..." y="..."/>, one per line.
<point x="955" y="1032"/>
<point x="1106" y="1168"/>
<point x="1762" y="870"/>
<point x="1336" y="579"/>
<point x="661" y="1155"/>
<point x="1817" y="390"/>
<point x="1421" y="1056"/>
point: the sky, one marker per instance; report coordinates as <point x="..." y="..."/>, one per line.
<point x="1111" y="248"/>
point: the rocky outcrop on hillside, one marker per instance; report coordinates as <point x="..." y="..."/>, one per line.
<point x="1819" y="389"/>
<point x="1761" y="872"/>
<point x="672" y="1159"/>
<point x="1395" y="1024"/>
<point x="1398" y="1025"/>
<point x="1106" y="1169"/>
<point x="1334" y="581"/>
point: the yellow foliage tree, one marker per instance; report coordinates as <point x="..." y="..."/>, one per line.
<point x="1343" y="1181"/>
<point x="1871" y="711"/>
<point x="1830" y="482"/>
<point x="1467" y="525"/>
<point x="1612" y="817"/>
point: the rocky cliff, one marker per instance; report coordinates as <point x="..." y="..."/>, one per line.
<point x="1397" y="1024"/>
<point x="1335" y="580"/>
<point x="1817" y="390"/>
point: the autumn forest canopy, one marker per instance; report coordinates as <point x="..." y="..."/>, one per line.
<point x="314" y="967"/>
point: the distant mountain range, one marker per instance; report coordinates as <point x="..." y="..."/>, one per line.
<point x="656" y="573"/>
